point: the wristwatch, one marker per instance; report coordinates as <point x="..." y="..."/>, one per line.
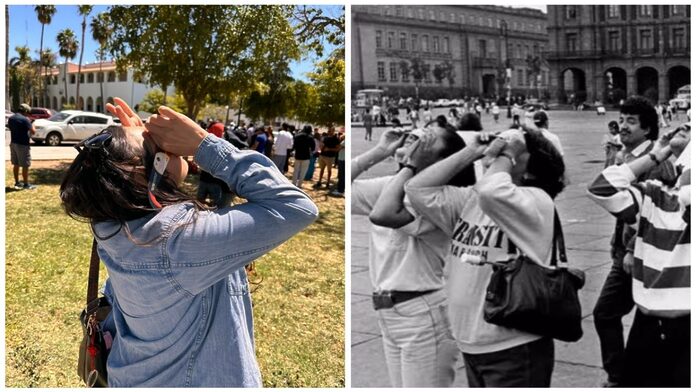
<point x="509" y="156"/>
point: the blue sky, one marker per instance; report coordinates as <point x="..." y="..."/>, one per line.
<point x="25" y="29"/>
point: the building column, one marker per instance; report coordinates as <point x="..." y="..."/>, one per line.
<point x="631" y="82"/>
<point x="663" y="88"/>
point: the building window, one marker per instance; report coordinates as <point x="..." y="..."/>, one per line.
<point x="426" y="72"/>
<point x="453" y="18"/>
<point x="403" y="45"/>
<point x="380" y="72"/>
<point x="421" y="14"/>
<point x="519" y="51"/>
<point x="400" y="11"/>
<point x="90" y="77"/>
<point x="645" y="10"/>
<point x="571" y="42"/>
<point x="414" y="42"/>
<point x="526" y="51"/>
<point x="462" y="19"/>
<point x="72" y="79"/>
<point x="614" y="41"/>
<point x="388" y="11"/>
<point x="443" y="18"/>
<point x="100" y="77"/>
<point x="404" y="74"/>
<point x="82" y="78"/>
<point x="392" y="73"/>
<point x="570" y="12"/>
<point x="425" y="44"/>
<point x="111" y="77"/>
<point x="536" y="50"/>
<point x="490" y="22"/>
<point x="645" y="39"/>
<point x="390" y="40"/>
<point x="520" y="77"/>
<point x="431" y="15"/>
<point x="409" y="12"/>
<point x="123" y="77"/>
<point x="678" y="38"/>
<point x="436" y="44"/>
<point x="378" y="39"/>
<point x="614" y="11"/>
<point x="445" y="45"/>
<point x="482" y="48"/>
<point x="678" y="10"/>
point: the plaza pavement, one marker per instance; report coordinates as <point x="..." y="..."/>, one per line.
<point x="587" y="229"/>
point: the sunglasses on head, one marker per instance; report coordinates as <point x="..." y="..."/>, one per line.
<point x="98" y="141"/>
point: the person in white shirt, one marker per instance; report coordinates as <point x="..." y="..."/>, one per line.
<point x="283" y="143"/>
<point x="541" y="121"/>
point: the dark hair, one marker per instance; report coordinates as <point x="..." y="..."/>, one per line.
<point x="647" y="116"/>
<point x="111" y="184"/>
<point x="454" y="143"/>
<point x="396" y="122"/>
<point x="470" y="122"/>
<point x="614" y="125"/>
<point x="545" y="164"/>
<point x="307" y="129"/>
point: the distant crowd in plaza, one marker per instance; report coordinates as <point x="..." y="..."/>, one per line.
<point x="464" y="198"/>
<point x="288" y="147"/>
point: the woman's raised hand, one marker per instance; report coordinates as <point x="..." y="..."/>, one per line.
<point x="124" y="113"/>
<point x="175" y="133"/>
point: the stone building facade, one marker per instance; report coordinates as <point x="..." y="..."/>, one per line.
<point x="605" y="52"/>
<point x="459" y="50"/>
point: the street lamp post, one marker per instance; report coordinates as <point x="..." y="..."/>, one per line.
<point x="508" y="70"/>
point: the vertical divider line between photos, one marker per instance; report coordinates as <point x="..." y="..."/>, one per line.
<point x="347" y="193"/>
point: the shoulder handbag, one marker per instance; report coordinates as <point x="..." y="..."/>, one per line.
<point x="540" y="300"/>
<point x="91" y="364"/>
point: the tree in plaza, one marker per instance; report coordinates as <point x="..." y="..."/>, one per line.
<point x="417" y="69"/>
<point x="101" y="30"/>
<point x="84" y="11"/>
<point x="47" y="62"/>
<point x="305" y="102"/>
<point x="313" y="26"/>
<point x="22" y="72"/>
<point x="154" y="98"/>
<point x="45" y="14"/>
<point x="534" y="66"/>
<point x="68" y="49"/>
<point x="273" y="98"/>
<point x="444" y="70"/>
<point x="204" y="50"/>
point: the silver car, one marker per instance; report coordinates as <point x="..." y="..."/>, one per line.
<point x="69" y="125"/>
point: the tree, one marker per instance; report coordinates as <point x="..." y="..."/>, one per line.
<point x="313" y="26"/>
<point x="45" y="14"/>
<point x="21" y="75"/>
<point x="273" y="98"/>
<point x="83" y="10"/>
<point x="444" y="70"/>
<point x="204" y="50"/>
<point x="68" y="49"/>
<point x="153" y="99"/>
<point x="534" y="66"/>
<point x="101" y="30"/>
<point x="329" y="81"/>
<point x="417" y="69"/>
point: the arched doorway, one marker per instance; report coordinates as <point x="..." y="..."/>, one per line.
<point x="62" y="103"/>
<point x="573" y="85"/>
<point x="90" y="104"/>
<point x="81" y="105"/>
<point x="678" y="76"/>
<point x="647" y="83"/>
<point x="99" y="107"/>
<point x="488" y="85"/>
<point x="72" y="102"/>
<point x="615" y="85"/>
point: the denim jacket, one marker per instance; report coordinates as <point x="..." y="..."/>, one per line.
<point x="181" y="307"/>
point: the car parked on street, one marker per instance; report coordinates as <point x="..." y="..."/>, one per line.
<point x="69" y="125"/>
<point x="40" y="113"/>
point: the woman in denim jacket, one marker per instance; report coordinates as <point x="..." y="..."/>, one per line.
<point x="181" y="307"/>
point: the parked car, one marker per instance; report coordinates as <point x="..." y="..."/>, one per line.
<point x="680" y="103"/>
<point x="39" y="113"/>
<point x="441" y="103"/>
<point x="69" y="125"/>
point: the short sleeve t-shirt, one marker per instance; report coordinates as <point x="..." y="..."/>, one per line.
<point x="331" y="142"/>
<point x="261" y="140"/>
<point x="19" y="129"/>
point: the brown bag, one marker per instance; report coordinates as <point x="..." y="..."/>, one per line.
<point x="91" y="364"/>
<point x="540" y="300"/>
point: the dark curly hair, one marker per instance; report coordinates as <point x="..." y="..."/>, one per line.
<point x="647" y="116"/>
<point x="469" y="122"/>
<point x="545" y="164"/>
<point x="110" y="184"/>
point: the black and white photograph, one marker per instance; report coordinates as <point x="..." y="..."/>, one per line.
<point x="520" y="195"/>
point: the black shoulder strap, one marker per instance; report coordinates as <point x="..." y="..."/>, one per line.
<point x="93" y="280"/>
<point x="558" y="243"/>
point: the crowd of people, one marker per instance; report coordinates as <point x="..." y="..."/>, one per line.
<point x="462" y="194"/>
<point x="288" y="147"/>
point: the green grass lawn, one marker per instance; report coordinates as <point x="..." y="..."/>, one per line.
<point x="298" y="304"/>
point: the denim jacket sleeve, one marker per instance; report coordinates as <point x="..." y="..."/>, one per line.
<point x="206" y="246"/>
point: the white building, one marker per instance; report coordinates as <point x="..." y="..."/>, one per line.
<point x="123" y="85"/>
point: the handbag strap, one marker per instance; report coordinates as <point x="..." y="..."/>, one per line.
<point x="93" y="280"/>
<point x="558" y="251"/>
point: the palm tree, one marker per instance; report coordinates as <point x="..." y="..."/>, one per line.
<point x="68" y="49"/>
<point x="84" y="10"/>
<point x="101" y="30"/>
<point x="20" y="82"/>
<point x="45" y="14"/>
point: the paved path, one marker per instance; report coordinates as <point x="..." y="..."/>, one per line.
<point x="587" y="230"/>
<point x="43" y="152"/>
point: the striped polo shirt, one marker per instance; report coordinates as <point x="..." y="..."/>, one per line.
<point x="661" y="216"/>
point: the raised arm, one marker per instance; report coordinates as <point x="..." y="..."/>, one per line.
<point x="388" y="143"/>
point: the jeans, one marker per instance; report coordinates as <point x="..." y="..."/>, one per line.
<point x="658" y="352"/>
<point x="526" y="365"/>
<point x="310" y="170"/>
<point x="418" y="345"/>
<point x="298" y="175"/>
<point x="341" y="186"/>
<point x="615" y="301"/>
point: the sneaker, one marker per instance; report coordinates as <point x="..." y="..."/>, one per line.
<point x="29" y="186"/>
<point x="18" y="185"/>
